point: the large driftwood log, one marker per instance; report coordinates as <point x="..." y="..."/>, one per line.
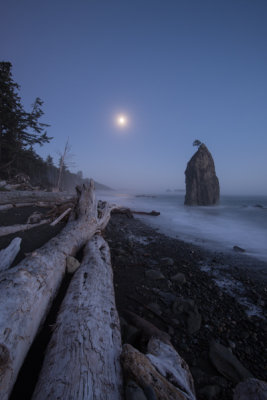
<point x="27" y="290"/>
<point x="162" y="369"/>
<point x="35" y="196"/>
<point x="170" y="365"/>
<point x="82" y="361"/>
<point x="8" y="255"/>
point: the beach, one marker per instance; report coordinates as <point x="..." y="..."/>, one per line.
<point x="195" y="295"/>
<point x="167" y="301"/>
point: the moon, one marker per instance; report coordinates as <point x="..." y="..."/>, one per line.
<point x="121" y="120"/>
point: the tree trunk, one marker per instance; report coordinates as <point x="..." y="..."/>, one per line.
<point x="8" y="255"/>
<point x="35" y="196"/>
<point x="27" y="290"/>
<point x="82" y="361"/>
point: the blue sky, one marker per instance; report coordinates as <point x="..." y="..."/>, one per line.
<point x="179" y="70"/>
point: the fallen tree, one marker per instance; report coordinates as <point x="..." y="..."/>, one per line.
<point x="129" y="212"/>
<point x="27" y="290"/>
<point x="153" y="213"/>
<point x="83" y="357"/>
<point x="24" y="197"/>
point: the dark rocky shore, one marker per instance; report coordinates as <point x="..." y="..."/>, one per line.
<point x="171" y="284"/>
<point x="162" y="280"/>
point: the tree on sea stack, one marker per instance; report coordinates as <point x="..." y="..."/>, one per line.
<point x="197" y="143"/>
<point x="202" y="184"/>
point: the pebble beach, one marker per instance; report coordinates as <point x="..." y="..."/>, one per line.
<point x="212" y="305"/>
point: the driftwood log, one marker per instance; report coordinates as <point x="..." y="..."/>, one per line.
<point x="27" y="290"/>
<point x="58" y="219"/>
<point x="152" y="213"/>
<point x="24" y="197"/>
<point x="82" y="361"/>
<point x="8" y="255"/>
<point x="129" y="212"/>
<point x="169" y="364"/>
<point x="162" y="369"/>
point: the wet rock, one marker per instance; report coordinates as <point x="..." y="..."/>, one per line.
<point x="34" y="218"/>
<point x="167" y="261"/>
<point x="154" y="274"/>
<point x="121" y="252"/>
<point x="155" y="308"/>
<point x="202" y="184"/>
<point x="183" y="305"/>
<point x="251" y="389"/>
<point x="131" y="334"/>
<point x="232" y="344"/>
<point x="167" y="297"/>
<point x="258" y="206"/>
<point x="171" y="331"/>
<point x="193" y="321"/>
<point x="72" y="264"/>
<point x="226" y="363"/>
<point x="210" y="391"/>
<point x="198" y="375"/>
<point x="150" y="393"/>
<point x="238" y="249"/>
<point x="134" y="392"/>
<point x="193" y="317"/>
<point x="179" y="278"/>
<point x="219" y="381"/>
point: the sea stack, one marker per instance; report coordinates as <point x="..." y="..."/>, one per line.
<point x="202" y="184"/>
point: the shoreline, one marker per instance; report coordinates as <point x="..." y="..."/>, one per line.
<point x="238" y="222"/>
<point x="205" y="245"/>
<point x="136" y="250"/>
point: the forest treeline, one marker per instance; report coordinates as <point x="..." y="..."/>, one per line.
<point x="20" y="132"/>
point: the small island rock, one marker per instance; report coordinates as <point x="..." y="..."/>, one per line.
<point x="202" y="184"/>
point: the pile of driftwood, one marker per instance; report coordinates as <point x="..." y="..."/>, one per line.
<point x="20" y="181"/>
<point x="84" y="359"/>
<point x="60" y="205"/>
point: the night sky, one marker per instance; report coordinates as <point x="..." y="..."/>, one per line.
<point x="177" y="70"/>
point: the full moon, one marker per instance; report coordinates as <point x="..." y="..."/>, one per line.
<point x="121" y="120"/>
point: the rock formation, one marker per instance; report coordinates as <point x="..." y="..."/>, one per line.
<point x="202" y="184"/>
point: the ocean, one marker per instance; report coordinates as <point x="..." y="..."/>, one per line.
<point x="236" y="221"/>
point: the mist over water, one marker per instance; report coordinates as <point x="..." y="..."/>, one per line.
<point x="236" y="221"/>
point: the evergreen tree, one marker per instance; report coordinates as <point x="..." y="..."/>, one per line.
<point x="197" y="143"/>
<point x="19" y="130"/>
<point x="49" y="161"/>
